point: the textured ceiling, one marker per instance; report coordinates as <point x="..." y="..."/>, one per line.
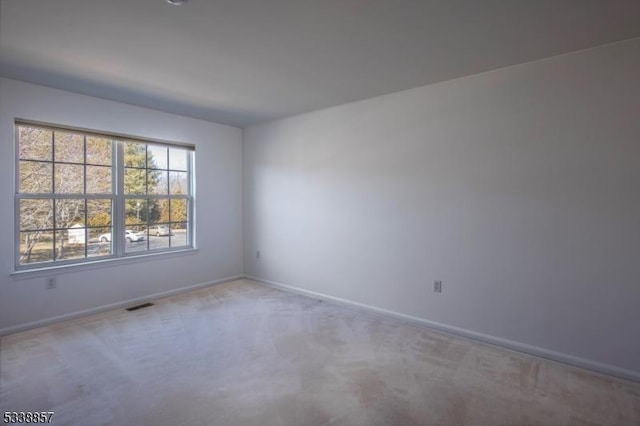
<point x="245" y="61"/>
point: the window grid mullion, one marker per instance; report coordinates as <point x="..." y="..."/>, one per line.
<point x="118" y="214"/>
<point x="53" y="190"/>
<point x="86" y="229"/>
<point x="86" y="203"/>
<point x="147" y="225"/>
<point x="190" y="211"/>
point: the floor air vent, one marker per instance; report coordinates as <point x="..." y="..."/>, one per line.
<point x="135" y="308"/>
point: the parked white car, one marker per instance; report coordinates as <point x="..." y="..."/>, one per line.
<point x="161" y="231"/>
<point x="129" y="235"/>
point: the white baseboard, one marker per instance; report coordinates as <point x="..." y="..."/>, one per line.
<point x="513" y="345"/>
<point x="117" y="305"/>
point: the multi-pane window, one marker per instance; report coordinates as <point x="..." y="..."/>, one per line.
<point x="156" y="192"/>
<point x="82" y="196"/>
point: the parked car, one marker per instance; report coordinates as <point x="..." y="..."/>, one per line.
<point x="160" y="231"/>
<point x="129" y="235"/>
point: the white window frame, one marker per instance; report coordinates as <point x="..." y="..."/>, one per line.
<point x="117" y="197"/>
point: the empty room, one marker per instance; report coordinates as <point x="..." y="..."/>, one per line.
<point x="292" y="212"/>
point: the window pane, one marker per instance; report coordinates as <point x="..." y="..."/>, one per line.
<point x="99" y="243"/>
<point x="35" y="177"/>
<point x="178" y="210"/>
<point x="36" y="215"/>
<point x="69" y="179"/>
<point x="69" y="147"/>
<point x="70" y="243"/>
<point x="178" y="183"/>
<point x="98" y="150"/>
<point x="157" y="157"/>
<point x="179" y="234"/>
<point x="136" y="240"/>
<point x="99" y="214"/>
<point x="35" y="143"/>
<point x="69" y="213"/>
<point x="154" y="210"/>
<point x="157" y="181"/>
<point x="178" y="159"/>
<point x="136" y="211"/>
<point x="134" y="181"/>
<point x="163" y="206"/>
<point x="160" y="235"/>
<point x="135" y="154"/>
<point x="36" y="247"/>
<point x="99" y="219"/>
<point x="98" y="180"/>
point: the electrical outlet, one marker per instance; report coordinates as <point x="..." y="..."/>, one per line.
<point x="437" y="286"/>
<point x="257" y="254"/>
<point x="50" y="283"/>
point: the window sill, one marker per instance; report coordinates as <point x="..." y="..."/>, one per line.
<point x="98" y="264"/>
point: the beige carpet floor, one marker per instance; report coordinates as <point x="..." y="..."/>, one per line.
<point x="245" y="354"/>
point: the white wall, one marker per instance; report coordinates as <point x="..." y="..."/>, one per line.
<point x="25" y="301"/>
<point x="518" y="188"/>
